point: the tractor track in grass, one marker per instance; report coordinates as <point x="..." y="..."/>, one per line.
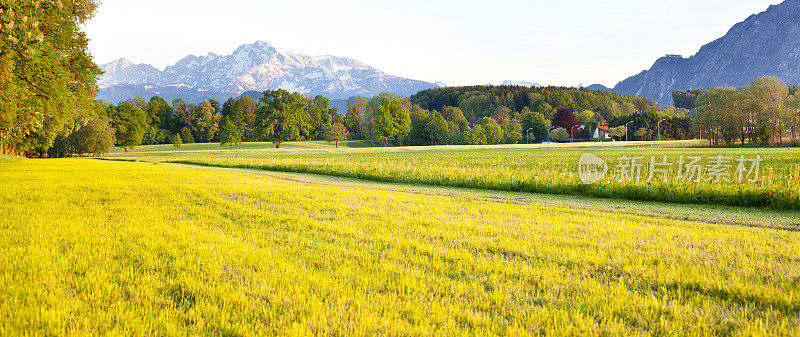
<point x="723" y="215"/>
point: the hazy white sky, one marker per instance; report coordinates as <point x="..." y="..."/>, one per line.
<point x="562" y="42"/>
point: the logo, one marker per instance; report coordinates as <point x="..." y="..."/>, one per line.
<point x="591" y="168"/>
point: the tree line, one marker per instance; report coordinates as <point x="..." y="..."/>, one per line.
<point x="565" y="112"/>
<point x="278" y="116"/>
<point x="384" y="119"/>
<point x="766" y="112"/>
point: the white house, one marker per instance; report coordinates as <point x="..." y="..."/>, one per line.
<point x="601" y="133"/>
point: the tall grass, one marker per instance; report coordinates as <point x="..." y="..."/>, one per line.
<point x="95" y="248"/>
<point x="540" y="170"/>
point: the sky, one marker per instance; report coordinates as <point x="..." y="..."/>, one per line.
<point x="558" y="42"/>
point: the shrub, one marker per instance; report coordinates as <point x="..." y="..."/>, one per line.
<point x="177" y="141"/>
<point x="559" y="134"/>
<point x="96" y="137"/>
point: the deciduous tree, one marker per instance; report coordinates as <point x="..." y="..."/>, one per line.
<point x="186" y="135"/>
<point x="229" y="135"/>
<point x="559" y="134"/>
<point x="96" y="137"/>
<point x="280" y="116"/>
<point x="337" y="133"/>
<point x="454" y="115"/>
<point x="513" y="131"/>
<point x="207" y="121"/>
<point x="565" y="118"/>
<point x="437" y="128"/>
<point x="354" y="119"/>
<point x="130" y="123"/>
<point x="390" y="118"/>
<point x="534" y="125"/>
<point x="619" y="132"/>
<point x="492" y="131"/>
<point x="47" y="76"/>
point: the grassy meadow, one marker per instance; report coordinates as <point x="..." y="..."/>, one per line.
<point x="100" y="247"/>
<point x="547" y="168"/>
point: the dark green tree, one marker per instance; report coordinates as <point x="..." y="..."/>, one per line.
<point x="280" y="116"/>
<point x="186" y="135"/>
<point x="534" y="127"/>
<point x="438" y="129"/>
<point x="229" y="135"/>
<point x="130" y="123"/>
<point x="356" y="112"/>
<point x="96" y="137"/>
<point x="390" y="118"/>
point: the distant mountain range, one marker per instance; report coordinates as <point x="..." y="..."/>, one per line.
<point x="764" y="44"/>
<point x="598" y="87"/>
<point x="521" y="83"/>
<point x="251" y="67"/>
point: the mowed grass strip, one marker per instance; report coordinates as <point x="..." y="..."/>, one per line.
<point x="92" y="247"/>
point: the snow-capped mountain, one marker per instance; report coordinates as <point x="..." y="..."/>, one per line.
<point x="521" y="83"/>
<point x="258" y="67"/>
<point x="123" y="71"/>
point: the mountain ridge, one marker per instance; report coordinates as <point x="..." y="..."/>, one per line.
<point x="764" y="44"/>
<point x="257" y="67"/>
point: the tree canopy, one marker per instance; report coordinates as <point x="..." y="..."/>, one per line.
<point x="229" y="135"/>
<point x="336" y="133"/>
<point x="762" y="113"/>
<point x="130" y="123"/>
<point x="390" y="118"/>
<point x="483" y="101"/>
<point x="47" y="75"/>
<point x="280" y="116"/>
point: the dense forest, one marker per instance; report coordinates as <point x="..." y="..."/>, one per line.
<point x="482" y="101"/>
<point x="555" y="105"/>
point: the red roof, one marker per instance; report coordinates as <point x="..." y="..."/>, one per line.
<point x="603" y="127"/>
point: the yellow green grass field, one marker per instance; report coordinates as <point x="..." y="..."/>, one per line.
<point x="97" y="247"/>
<point x="540" y="168"/>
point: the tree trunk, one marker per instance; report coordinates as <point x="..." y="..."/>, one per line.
<point x="742" y="135"/>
